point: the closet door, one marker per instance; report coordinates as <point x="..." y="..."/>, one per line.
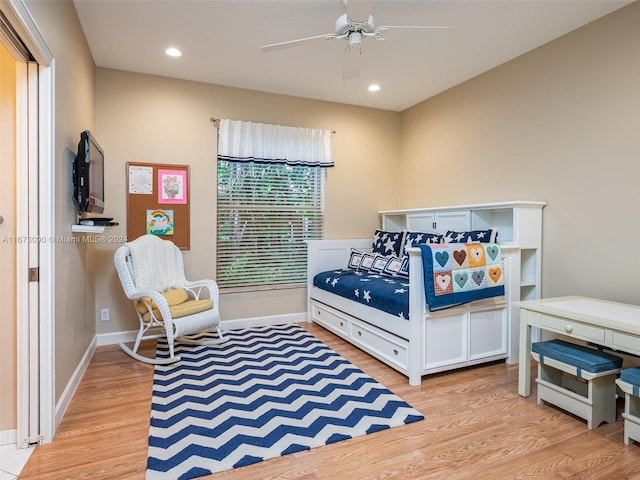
<point x="34" y="221"/>
<point x="8" y="384"/>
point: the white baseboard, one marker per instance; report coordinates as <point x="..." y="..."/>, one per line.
<point x="263" y="321"/>
<point x="116" y="337"/>
<point x="8" y="437"/>
<point x="70" y="389"/>
<point x="236" y="324"/>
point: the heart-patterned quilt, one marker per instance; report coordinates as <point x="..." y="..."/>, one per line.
<point x="456" y="273"/>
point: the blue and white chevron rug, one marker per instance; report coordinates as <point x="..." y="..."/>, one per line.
<point x="266" y="392"/>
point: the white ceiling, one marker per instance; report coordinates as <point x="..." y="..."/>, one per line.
<point x="221" y="40"/>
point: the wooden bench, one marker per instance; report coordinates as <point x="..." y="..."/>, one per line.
<point x="629" y="383"/>
<point x="578" y="379"/>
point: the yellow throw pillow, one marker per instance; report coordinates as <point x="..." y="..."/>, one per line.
<point x="183" y="309"/>
<point x="173" y="297"/>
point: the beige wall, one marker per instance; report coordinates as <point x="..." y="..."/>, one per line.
<point x="558" y="124"/>
<point x="8" y="370"/>
<point x="75" y="322"/>
<point x="143" y="118"/>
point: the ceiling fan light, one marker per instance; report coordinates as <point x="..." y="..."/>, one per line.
<point x="374" y="87"/>
<point x="355" y="39"/>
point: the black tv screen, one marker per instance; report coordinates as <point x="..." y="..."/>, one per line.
<point x="88" y="175"/>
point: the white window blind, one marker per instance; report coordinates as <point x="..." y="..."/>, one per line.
<point x="265" y="213"/>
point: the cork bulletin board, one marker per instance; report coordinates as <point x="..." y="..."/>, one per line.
<point x="158" y="202"/>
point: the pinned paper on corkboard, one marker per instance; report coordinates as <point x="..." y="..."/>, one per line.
<point x="160" y="222"/>
<point x="163" y="211"/>
<point x="172" y="186"/>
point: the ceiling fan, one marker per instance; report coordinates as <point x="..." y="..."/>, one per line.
<point x="354" y="26"/>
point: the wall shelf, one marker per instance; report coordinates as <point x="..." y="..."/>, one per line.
<point x="87" y="228"/>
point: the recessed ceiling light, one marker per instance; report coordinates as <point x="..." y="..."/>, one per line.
<point x="173" y="52"/>
<point x="374" y="87"/>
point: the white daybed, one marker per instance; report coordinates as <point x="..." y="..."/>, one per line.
<point x="428" y="342"/>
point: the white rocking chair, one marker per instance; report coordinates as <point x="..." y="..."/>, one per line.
<point x="151" y="271"/>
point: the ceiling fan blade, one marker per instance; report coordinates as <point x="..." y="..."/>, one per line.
<point x="359" y="10"/>
<point x="351" y="62"/>
<point x="298" y="42"/>
<point x="412" y="32"/>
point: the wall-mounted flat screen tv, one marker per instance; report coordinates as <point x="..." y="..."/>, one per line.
<point x="88" y="175"/>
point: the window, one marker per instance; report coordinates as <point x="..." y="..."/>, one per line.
<point x="270" y="200"/>
<point x="266" y="211"/>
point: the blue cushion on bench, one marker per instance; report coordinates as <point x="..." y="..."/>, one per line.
<point x="632" y="376"/>
<point x="583" y="358"/>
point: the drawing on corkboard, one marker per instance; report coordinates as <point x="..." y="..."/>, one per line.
<point x="140" y="180"/>
<point x="172" y="186"/>
<point x="164" y="213"/>
<point x="160" y="222"/>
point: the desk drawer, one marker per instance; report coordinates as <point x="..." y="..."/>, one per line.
<point x="573" y="329"/>
<point x="626" y="342"/>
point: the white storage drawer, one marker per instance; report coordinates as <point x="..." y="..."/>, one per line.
<point x="386" y="345"/>
<point x="331" y="320"/>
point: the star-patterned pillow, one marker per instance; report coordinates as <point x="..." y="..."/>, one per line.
<point x="473" y="236"/>
<point x="411" y="239"/>
<point x="387" y="243"/>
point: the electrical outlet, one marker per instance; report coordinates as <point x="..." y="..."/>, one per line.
<point x="104" y="314"/>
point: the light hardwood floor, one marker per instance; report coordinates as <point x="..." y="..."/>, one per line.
<point x="476" y="427"/>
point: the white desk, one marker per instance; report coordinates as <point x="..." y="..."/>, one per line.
<point x="610" y="324"/>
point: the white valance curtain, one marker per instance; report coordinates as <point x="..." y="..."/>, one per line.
<point x="240" y="141"/>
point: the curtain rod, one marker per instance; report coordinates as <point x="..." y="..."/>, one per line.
<point x="216" y="123"/>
